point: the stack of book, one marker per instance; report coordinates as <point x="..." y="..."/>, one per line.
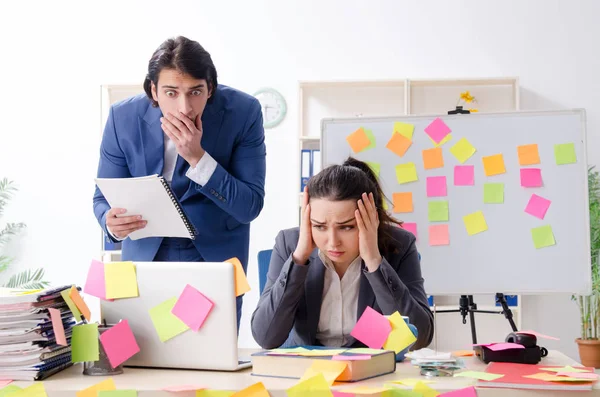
<point x="28" y="345"/>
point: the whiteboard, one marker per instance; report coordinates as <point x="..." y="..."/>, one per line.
<point x="502" y="258"/>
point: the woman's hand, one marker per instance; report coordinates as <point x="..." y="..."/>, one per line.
<point x="368" y="226"/>
<point x="306" y="244"/>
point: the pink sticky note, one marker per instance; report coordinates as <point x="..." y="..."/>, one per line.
<point x="438" y="235"/>
<point x="183" y="388"/>
<point x="580" y="375"/>
<point x="505" y="346"/>
<point x="531" y="177"/>
<point x="192" y="307"/>
<point x="464" y="175"/>
<point x="537" y="335"/>
<point x="5" y="382"/>
<point x="340" y="394"/>
<point x="372" y="329"/>
<point x="436" y="186"/>
<point x="57" y="327"/>
<point x="466" y="392"/>
<point x="437" y="130"/>
<point x="411" y="227"/>
<point x="95" y="284"/>
<point x="537" y="206"/>
<point x="119" y="343"/>
<point x="351" y="357"/>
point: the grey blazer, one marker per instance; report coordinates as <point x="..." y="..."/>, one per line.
<point x="291" y="300"/>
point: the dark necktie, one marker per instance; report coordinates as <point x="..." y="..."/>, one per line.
<point x="180" y="182"/>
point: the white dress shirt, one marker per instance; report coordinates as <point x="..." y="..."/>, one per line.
<point x="339" y="303"/>
<point x="199" y="174"/>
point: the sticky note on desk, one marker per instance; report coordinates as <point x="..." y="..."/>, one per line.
<point x="167" y="326"/>
<point x="358" y="140"/>
<point x="537" y="206"/>
<point x="119" y="343"/>
<point x="438" y="211"/>
<point x="531" y="177"/>
<point x="542" y="236"/>
<point x="425" y="390"/>
<point x="403" y="202"/>
<point x="95" y="284"/>
<point x="437" y="130"/>
<point x="81" y="305"/>
<point x="564" y="153"/>
<point x="117" y="393"/>
<point x="406" y="172"/>
<point x="432" y="158"/>
<point x="5" y="391"/>
<point x="92" y="391"/>
<point x="329" y="368"/>
<point x="241" y="282"/>
<point x="214" y="393"/>
<point x="493" y="165"/>
<point x="398" y="144"/>
<point x="35" y="390"/>
<point x="466" y="392"/>
<point x="256" y="390"/>
<point x="567" y="368"/>
<point x="478" y="375"/>
<point x="475" y="223"/>
<point x="58" y="327"/>
<point x="179" y="388"/>
<point x="404" y="129"/>
<point x="401" y="336"/>
<point x="316" y="386"/>
<point x="121" y="280"/>
<point x="528" y="154"/>
<point x="462" y="150"/>
<point x="84" y="343"/>
<point x="372" y="329"/>
<point x="192" y="307"/>
<point x="436" y="186"/>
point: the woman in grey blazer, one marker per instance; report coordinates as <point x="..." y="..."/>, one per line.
<point x="348" y="253"/>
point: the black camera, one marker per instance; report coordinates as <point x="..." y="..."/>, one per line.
<point x="530" y="354"/>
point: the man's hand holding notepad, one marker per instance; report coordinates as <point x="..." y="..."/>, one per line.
<point x="151" y="198"/>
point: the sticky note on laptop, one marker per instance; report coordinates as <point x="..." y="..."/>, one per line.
<point x="241" y="282"/>
<point x="166" y="324"/>
<point x="192" y="307"/>
<point x="121" y="280"/>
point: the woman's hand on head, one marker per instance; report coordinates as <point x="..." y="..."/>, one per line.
<point x="368" y="226"/>
<point x="306" y="244"/>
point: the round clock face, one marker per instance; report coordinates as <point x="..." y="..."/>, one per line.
<point x="273" y="106"/>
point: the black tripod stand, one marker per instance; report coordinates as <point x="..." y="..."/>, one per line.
<point x="467" y="306"/>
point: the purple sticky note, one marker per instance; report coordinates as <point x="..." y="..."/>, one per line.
<point x="411" y="227"/>
<point x="437" y="130"/>
<point x="95" y="284"/>
<point x="372" y="329"/>
<point x="436" y="186"/>
<point x="119" y="343"/>
<point x="531" y="177"/>
<point x="537" y="206"/>
<point x="192" y="307"/>
<point x="464" y="175"/>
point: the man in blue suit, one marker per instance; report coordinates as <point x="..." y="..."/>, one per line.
<point x="205" y="139"/>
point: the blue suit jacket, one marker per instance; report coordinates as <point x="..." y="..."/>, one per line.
<point x="221" y="210"/>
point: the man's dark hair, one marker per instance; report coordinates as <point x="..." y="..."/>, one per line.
<point x="184" y="55"/>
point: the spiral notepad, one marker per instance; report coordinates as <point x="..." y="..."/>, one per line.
<point x="152" y="198"/>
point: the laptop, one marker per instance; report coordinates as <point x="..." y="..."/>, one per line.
<point x="213" y="347"/>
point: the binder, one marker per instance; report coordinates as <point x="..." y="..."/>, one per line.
<point x="315" y="162"/>
<point x="152" y="198"/>
<point x="305" y="168"/>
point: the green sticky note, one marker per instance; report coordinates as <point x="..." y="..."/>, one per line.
<point x="375" y="167"/>
<point x="37" y="389"/>
<point x="406" y="172"/>
<point x="404" y="129"/>
<point x="438" y="211"/>
<point x="9" y="389"/>
<point x="84" y="343"/>
<point x="493" y="193"/>
<point x="564" y="153"/>
<point x="395" y="392"/>
<point x="542" y="236"/>
<point x="166" y="324"/>
<point x="117" y="393"/>
<point x="371" y="137"/>
<point x="72" y="307"/>
<point x="214" y="393"/>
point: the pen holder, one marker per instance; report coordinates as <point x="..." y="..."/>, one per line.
<point x="101" y="367"/>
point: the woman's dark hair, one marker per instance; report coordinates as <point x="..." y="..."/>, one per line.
<point x="348" y="182"/>
<point x="184" y="55"/>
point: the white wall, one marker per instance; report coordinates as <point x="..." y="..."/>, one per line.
<point x="55" y="57"/>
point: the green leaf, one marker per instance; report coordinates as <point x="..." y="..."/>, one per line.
<point x="5" y="262"/>
<point x="27" y="280"/>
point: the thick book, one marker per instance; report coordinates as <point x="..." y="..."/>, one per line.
<point x="289" y="366"/>
<point x="152" y="198"/>
<point x="514" y="378"/>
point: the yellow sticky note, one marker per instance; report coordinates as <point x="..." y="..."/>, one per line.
<point x="92" y="391"/>
<point x="328" y="368"/>
<point x="241" y="282"/>
<point x="528" y="154"/>
<point x="404" y="129"/>
<point x="425" y="390"/>
<point x="398" y="144"/>
<point x="10" y="389"/>
<point x="121" y="280"/>
<point x="364" y="350"/>
<point x="316" y="386"/>
<point x="35" y="390"/>
<point x="462" y="150"/>
<point x="321" y="352"/>
<point x="411" y="382"/>
<point x="432" y="158"/>
<point x="440" y="143"/>
<point x="293" y="351"/>
<point x="475" y="223"/>
<point x="406" y="172"/>
<point x="401" y="336"/>
<point x="256" y="390"/>
<point x="568" y="368"/>
<point x="66" y="294"/>
<point x="493" y="165"/>
<point x="167" y="325"/>
<point x="214" y="393"/>
<point x="478" y="375"/>
<point x="403" y="202"/>
<point x="81" y="305"/>
<point x="358" y="140"/>
<point x="542" y="236"/>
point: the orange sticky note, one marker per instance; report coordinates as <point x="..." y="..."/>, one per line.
<point x="433" y="158"/>
<point x="78" y="300"/>
<point x="256" y="390"/>
<point x="463" y="353"/>
<point x="358" y="140"/>
<point x="493" y="165"/>
<point x="403" y="202"/>
<point x="241" y="282"/>
<point x="528" y="154"/>
<point x="92" y="391"/>
<point x="398" y="144"/>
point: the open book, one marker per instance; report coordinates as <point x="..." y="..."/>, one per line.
<point x="152" y="198"/>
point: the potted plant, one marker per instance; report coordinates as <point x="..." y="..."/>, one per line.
<point x="589" y="306"/>
<point x="25" y="279"/>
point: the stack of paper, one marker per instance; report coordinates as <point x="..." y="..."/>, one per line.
<point x="35" y="330"/>
<point x="435" y="363"/>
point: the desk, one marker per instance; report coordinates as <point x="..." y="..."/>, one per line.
<point x="149" y="382"/>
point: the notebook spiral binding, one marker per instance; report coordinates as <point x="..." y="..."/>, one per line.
<point x="191" y="229"/>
